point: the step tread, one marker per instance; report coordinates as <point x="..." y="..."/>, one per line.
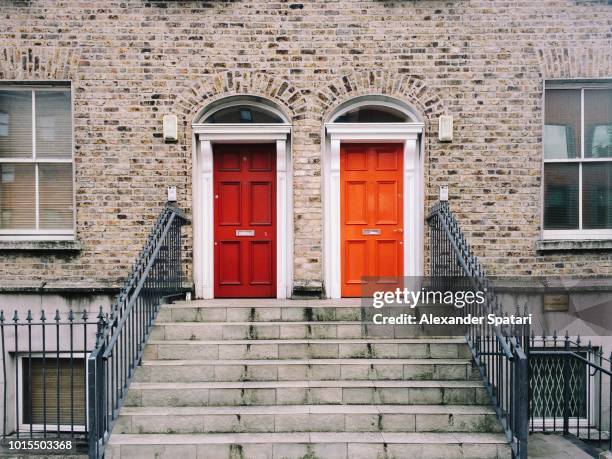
<point x="428" y="361"/>
<point x="297" y="384"/>
<point x="308" y="437"/>
<point x="266" y="303"/>
<point x="373" y="340"/>
<point x="305" y="409"/>
<point x="276" y="323"/>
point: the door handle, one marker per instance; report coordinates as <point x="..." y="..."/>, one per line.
<point x="399" y="230"/>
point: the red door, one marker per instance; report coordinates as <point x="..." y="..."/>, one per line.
<point x="372" y="216"/>
<point x="245" y="220"/>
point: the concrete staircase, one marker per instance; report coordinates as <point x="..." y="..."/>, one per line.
<point x="301" y="379"/>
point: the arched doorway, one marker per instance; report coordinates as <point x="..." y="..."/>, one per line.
<point x="372" y="193"/>
<point x="242" y="199"/>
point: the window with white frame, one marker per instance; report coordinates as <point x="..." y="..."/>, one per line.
<point x="36" y="185"/>
<point x="578" y="161"/>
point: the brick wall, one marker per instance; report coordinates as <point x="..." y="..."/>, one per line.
<point x="132" y="61"/>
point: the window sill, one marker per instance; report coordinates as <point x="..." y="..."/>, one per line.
<point x="560" y="245"/>
<point x="40" y="246"/>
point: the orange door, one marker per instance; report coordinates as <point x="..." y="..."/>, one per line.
<point x="371" y="216"/>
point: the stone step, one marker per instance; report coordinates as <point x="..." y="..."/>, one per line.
<point x="304" y="369"/>
<point x="424" y="348"/>
<point x="280" y="330"/>
<point x="289" y="311"/>
<point x="260" y="311"/>
<point x="322" y="445"/>
<point x="309" y="418"/>
<point x="306" y="392"/>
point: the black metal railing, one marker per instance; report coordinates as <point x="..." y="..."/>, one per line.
<point x="43" y="374"/>
<point x="569" y="385"/>
<point x="156" y="275"/>
<point x="68" y="375"/>
<point x="498" y="351"/>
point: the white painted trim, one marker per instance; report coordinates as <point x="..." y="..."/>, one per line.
<point x="206" y="220"/>
<point x="334" y="256"/>
<point x="577" y="235"/>
<point x="377" y="132"/>
<point x="205" y="136"/>
<point x="413" y="193"/>
<point x="242" y="132"/>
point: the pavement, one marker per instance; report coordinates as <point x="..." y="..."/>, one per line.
<point x="554" y="446"/>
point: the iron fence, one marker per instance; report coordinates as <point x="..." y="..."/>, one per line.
<point x="570" y="384"/>
<point x="69" y="375"/>
<point x="157" y="275"/>
<point x="43" y="371"/>
<point x="498" y="351"/>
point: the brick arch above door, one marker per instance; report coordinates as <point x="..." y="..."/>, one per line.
<point x="191" y="101"/>
<point x="407" y="88"/>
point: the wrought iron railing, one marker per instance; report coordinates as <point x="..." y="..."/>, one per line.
<point x="498" y="351"/>
<point x="156" y="275"/>
<point x="570" y="384"/>
<point x="43" y="375"/>
<point x="69" y="375"/>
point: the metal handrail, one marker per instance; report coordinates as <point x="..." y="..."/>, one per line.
<point x="120" y="341"/>
<point x="498" y="351"/>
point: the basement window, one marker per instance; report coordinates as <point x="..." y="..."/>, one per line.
<point x="578" y="161"/>
<point x="36" y="163"/>
<point x="53" y="391"/>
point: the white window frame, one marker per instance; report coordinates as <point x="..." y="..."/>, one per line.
<point x="50" y="355"/>
<point x="38" y="234"/>
<point x="573" y="234"/>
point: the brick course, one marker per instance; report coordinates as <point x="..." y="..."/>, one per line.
<point x="133" y="61"/>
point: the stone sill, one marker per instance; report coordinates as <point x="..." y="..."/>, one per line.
<point x="40" y="246"/>
<point x="559" y="245"/>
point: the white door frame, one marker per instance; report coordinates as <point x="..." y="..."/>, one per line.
<point x="413" y="193"/>
<point x="204" y="136"/>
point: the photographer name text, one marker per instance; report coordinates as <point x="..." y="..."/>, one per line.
<point x="469" y="319"/>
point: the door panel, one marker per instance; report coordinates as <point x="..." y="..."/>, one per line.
<point x="245" y="220"/>
<point x="371" y="215"/>
<point x="356" y="203"/>
<point x="356" y="261"/>
<point x="229" y="270"/>
<point x="260" y="200"/>
<point x="229" y="194"/>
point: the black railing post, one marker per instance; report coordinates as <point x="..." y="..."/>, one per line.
<point x="566" y="385"/>
<point x="521" y="408"/>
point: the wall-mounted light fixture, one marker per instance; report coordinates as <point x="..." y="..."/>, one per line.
<point x="445" y="128"/>
<point x="170" y="128"/>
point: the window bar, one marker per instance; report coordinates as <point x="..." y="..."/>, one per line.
<point x="44" y="373"/>
<point x="86" y="369"/>
<point x="588" y="398"/>
<point x="599" y="399"/>
<point x="16" y="320"/>
<point x="57" y="369"/>
<point x="610" y="408"/>
<point x="4" y="381"/>
<point x="29" y="320"/>
<point x="71" y="326"/>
